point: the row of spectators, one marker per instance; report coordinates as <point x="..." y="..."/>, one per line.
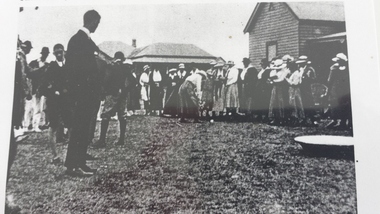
<point x="283" y="92"/>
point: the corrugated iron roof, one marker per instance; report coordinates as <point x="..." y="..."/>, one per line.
<point x="111" y="47"/>
<point x="172" y="60"/>
<point x="170" y="49"/>
<point x="318" y="11"/>
<point x="325" y="11"/>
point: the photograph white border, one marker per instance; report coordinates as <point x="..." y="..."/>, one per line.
<point x="364" y="76"/>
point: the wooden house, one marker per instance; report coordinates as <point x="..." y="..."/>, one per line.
<point x="164" y="56"/>
<point x="111" y="47"/>
<point x="297" y="28"/>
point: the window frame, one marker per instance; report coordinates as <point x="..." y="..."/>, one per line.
<point x="271" y="43"/>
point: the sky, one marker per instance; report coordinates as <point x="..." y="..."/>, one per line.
<point x="216" y="28"/>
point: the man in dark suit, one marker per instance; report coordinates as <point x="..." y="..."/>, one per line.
<point x="84" y="90"/>
<point x="133" y="92"/>
<point x="53" y="88"/>
<point x="248" y="79"/>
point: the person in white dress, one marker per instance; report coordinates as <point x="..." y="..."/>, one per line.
<point x="231" y="100"/>
<point x="297" y="114"/>
<point x="144" y="82"/>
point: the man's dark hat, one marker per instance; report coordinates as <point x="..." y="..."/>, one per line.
<point x="58" y="47"/>
<point x="27" y="44"/>
<point x="45" y="50"/>
<point x="264" y="61"/>
<point x="193" y="65"/>
<point x="119" y="55"/>
<point x="245" y="59"/>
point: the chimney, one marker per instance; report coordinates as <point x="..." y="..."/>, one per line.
<point x="134" y="43"/>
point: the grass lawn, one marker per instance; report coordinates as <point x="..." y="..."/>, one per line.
<point x="189" y="168"/>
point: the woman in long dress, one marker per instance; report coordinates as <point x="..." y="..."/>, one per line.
<point x="231" y="100"/>
<point x="248" y="79"/>
<point x="144" y="82"/>
<point x="133" y="94"/>
<point x="263" y="91"/>
<point x="339" y="94"/>
<point x="156" y="91"/>
<point x="308" y="78"/>
<point x="208" y="91"/>
<point x="297" y="114"/>
<point x="172" y="100"/>
<point x="277" y="104"/>
<point x="219" y="89"/>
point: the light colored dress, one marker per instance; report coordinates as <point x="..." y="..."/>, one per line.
<point x="232" y="94"/>
<point x="219" y="91"/>
<point x="144" y="82"/>
<point x="276" y="104"/>
<point x="295" y="99"/>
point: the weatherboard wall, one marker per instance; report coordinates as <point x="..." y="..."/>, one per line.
<point x="277" y="24"/>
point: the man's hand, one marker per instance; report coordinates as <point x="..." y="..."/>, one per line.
<point x="201" y="104"/>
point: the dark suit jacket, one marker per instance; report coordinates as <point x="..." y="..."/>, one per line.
<point x="83" y="73"/>
<point x="36" y="74"/>
<point x="115" y="80"/>
<point x="250" y="81"/>
<point x="181" y="80"/>
<point x="131" y="82"/>
<point x="57" y="105"/>
<point x="54" y="80"/>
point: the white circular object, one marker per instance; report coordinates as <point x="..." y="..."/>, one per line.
<point x="325" y="140"/>
<point x="328" y="146"/>
<point x="211" y="121"/>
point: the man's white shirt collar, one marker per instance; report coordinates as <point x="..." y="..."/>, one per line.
<point x="60" y="64"/>
<point x="87" y="31"/>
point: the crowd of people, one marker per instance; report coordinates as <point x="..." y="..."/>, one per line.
<point x="65" y="95"/>
<point x="283" y="92"/>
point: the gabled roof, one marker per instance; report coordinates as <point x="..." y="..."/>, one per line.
<point x="317" y="11"/>
<point x="176" y="60"/>
<point x="324" y="11"/>
<point x="111" y="47"/>
<point x="170" y="50"/>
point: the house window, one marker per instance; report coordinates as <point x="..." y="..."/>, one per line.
<point x="271" y="50"/>
<point x="271" y="6"/>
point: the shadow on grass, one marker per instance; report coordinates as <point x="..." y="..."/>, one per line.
<point x="336" y="154"/>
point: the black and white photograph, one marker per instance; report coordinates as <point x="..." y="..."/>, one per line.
<point x="188" y="107"/>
